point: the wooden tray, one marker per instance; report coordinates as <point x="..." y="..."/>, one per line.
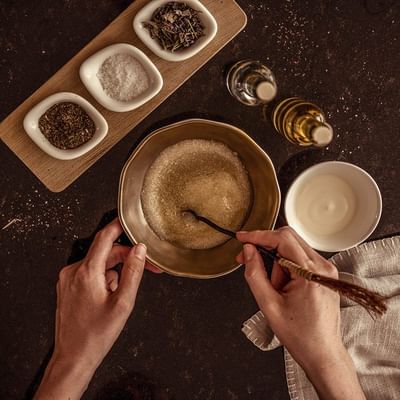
<point x="57" y="174"/>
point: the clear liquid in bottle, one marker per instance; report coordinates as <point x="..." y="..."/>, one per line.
<point x="302" y="122"/>
<point x="251" y="82"/>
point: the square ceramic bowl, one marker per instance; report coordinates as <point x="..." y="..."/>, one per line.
<point x="145" y="14"/>
<point x="333" y="205"/>
<point x="90" y="67"/>
<point x="206" y="263"/>
<point x="31" y="126"/>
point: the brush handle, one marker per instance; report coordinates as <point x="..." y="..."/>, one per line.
<point x="216" y="227"/>
<point x="271" y="254"/>
<point x="373" y="302"/>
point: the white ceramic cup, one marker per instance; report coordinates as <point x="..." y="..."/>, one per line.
<point x="360" y="223"/>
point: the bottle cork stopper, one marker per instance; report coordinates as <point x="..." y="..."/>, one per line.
<point x="322" y="135"/>
<point x="266" y="91"/>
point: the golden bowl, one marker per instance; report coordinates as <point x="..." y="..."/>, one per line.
<point x="206" y="263"/>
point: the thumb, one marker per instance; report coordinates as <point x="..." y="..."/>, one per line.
<point x="132" y="272"/>
<point x="257" y="278"/>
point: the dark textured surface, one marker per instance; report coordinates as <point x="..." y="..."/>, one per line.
<point x="183" y="340"/>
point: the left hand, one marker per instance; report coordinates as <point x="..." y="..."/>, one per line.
<point x="92" y="309"/>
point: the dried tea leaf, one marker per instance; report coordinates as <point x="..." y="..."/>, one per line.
<point x="66" y="125"/>
<point x="175" y="26"/>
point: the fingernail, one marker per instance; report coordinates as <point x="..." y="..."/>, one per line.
<point x="240" y="232"/>
<point x="248" y="251"/>
<point x="140" y="251"/>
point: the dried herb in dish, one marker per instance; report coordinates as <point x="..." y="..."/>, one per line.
<point x="66" y="125"/>
<point x="175" y="25"/>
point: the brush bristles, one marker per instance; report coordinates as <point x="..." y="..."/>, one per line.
<point x="373" y="302"/>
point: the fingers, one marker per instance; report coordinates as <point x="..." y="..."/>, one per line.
<point x="283" y="240"/>
<point x="312" y="254"/>
<point x="102" y="245"/>
<point x="240" y="258"/>
<point x="321" y="265"/>
<point x="131" y="274"/>
<point x="263" y="238"/>
<point x="291" y="246"/>
<point x="257" y="279"/>
<point x="117" y="255"/>
<point x="112" y="280"/>
<point x="279" y="277"/>
<point x="153" y="268"/>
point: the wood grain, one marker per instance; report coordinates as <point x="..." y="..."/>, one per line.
<point x="57" y="175"/>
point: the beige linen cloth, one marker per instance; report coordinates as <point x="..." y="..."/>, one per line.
<point x="374" y="345"/>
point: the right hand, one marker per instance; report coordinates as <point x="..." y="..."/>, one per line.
<point x="304" y="315"/>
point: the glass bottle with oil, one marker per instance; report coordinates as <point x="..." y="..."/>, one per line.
<point x="302" y="122"/>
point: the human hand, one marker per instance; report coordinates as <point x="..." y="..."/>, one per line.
<point x="92" y="309"/>
<point x="304" y="315"/>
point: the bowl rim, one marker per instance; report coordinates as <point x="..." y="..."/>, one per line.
<point x="97" y="58"/>
<point x="153" y="45"/>
<point x="371" y="180"/>
<point x="143" y="143"/>
<point x="33" y="115"/>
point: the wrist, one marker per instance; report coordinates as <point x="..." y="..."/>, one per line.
<point x="75" y="364"/>
<point x="335" y="376"/>
<point x="65" y="378"/>
<point x="330" y="357"/>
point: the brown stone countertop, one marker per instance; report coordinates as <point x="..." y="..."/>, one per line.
<point x="184" y="340"/>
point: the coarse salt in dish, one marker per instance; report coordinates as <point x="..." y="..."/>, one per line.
<point x="121" y="77"/>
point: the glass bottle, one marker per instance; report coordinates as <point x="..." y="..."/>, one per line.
<point x="251" y="82"/>
<point x="302" y="122"/>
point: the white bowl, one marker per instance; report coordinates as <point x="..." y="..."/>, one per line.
<point x="31" y="126"/>
<point x="145" y="14"/>
<point x="333" y="206"/>
<point x="90" y="67"/>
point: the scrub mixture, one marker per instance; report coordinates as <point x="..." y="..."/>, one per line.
<point x="200" y="175"/>
<point x="326" y="205"/>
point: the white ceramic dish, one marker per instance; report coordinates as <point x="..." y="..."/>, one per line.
<point x="145" y="14"/>
<point x="361" y="223"/>
<point x="31" y="126"/>
<point x="90" y="67"/>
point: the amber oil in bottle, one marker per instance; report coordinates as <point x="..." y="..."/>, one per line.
<point x="302" y="122"/>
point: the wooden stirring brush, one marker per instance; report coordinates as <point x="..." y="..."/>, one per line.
<point x="373" y="302"/>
